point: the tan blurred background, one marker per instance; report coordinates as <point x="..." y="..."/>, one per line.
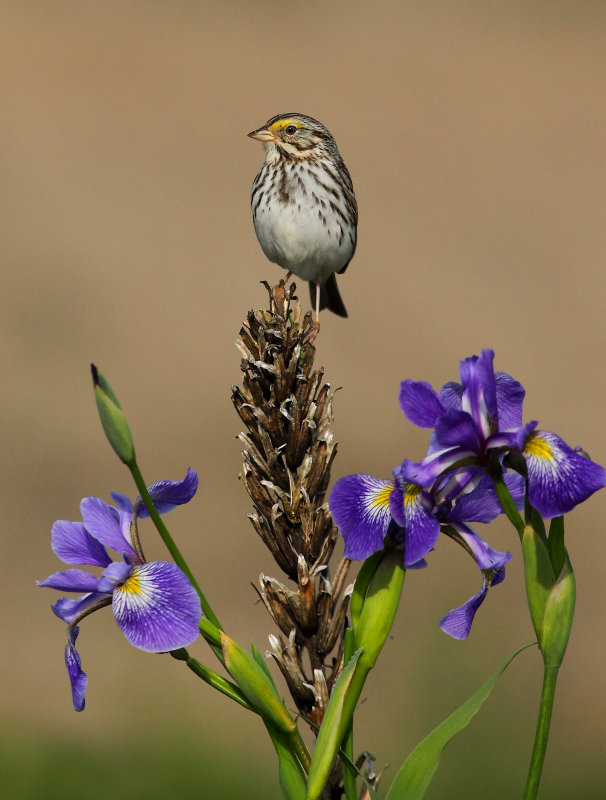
<point x="474" y="133"/>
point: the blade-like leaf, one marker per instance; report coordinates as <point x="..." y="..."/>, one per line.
<point x="331" y="731"/>
<point x="416" y="773"/>
<point x="292" y="776"/>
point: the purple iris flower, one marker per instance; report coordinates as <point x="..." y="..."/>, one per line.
<point x="480" y="419"/>
<point x="154" y="604"/>
<point x="368" y="509"/>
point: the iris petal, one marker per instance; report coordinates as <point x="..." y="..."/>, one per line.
<point x="73" y="544"/>
<point x="168" y="494"/>
<point x="69" y="609"/>
<point x="558" y="477"/>
<point x="510" y="397"/>
<point x="359" y="505"/>
<point x="457" y="623"/>
<point x="103" y="522"/>
<point x="420" y="403"/>
<point x="157" y="608"/>
<point x="77" y="678"/>
<point x="71" y="580"/>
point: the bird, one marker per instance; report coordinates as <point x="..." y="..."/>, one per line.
<point x="303" y="205"/>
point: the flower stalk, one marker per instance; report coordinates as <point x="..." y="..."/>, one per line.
<point x="288" y="450"/>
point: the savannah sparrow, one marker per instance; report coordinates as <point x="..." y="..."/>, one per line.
<point x="303" y="205"/>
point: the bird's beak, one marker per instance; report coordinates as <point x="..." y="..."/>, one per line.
<point x="262" y="135"/>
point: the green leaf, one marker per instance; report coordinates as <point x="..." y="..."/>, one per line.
<point x="539" y="576"/>
<point x="559" y="611"/>
<point x="292" y="777"/>
<point x="416" y="773"/>
<point x="331" y="731"/>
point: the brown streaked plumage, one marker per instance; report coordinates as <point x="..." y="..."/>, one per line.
<point x="304" y="207"/>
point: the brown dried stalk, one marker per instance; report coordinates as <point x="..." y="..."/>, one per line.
<point x="288" y="451"/>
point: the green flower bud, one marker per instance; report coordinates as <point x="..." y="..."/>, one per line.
<point x="112" y="418"/>
<point x="557" y="621"/>
<point x="255" y="685"/>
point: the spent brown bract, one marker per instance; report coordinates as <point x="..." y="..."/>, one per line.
<point x="286" y="407"/>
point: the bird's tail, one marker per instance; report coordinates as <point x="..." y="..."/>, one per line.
<point x="329" y="297"/>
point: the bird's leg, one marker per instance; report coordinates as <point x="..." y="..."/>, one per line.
<point x="317" y="302"/>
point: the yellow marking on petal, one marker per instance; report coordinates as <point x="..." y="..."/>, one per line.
<point x="536" y="446"/>
<point x="132" y="585"/>
<point x="411" y="493"/>
<point x="381" y="499"/>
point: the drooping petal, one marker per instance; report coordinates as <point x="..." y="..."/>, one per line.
<point x="412" y="508"/>
<point x="157" y="608"/>
<point x="485" y="556"/>
<point x="104" y="523"/>
<point x="457" y="623"/>
<point x="71" y="580"/>
<point x="69" y="609"/>
<point x="168" y="494"/>
<point x="359" y="504"/>
<point x="510" y="398"/>
<point x="420" y="403"/>
<point x="558" y="477"/>
<point x="77" y="678"/>
<point x="72" y="544"/>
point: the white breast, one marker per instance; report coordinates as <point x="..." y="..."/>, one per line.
<point x="301" y="219"/>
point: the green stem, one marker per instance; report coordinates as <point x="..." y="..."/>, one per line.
<point x="168" y="541"/>
<point x="216" y="681"/>
<point x="550" y="676"/>
<point x="506" y="501"/>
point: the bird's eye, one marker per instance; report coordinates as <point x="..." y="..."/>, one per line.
<point x="290" y="129"/>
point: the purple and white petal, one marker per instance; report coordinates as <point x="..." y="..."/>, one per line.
<point x="451" y="395"/>
<point x="103" y="522"/>
<point x="486" y="557"/>
<point x="558" y="477"/>
<point x="71" y="580"/>
<point x="479" y="505"/>
<point x="421" y="528"/>
<point x="168" y="494"/>
<point x="479" y="390"/>
<point x="69" y="609"/>
<point x="420" y="403"/>
<point x="157" y="608"/>
<point x="425" y="472"/>
<point x="457" y="429"/>
<point x="72" y="544"/>
<point x="116" y="573"/>
<point x="125" y="514"/>
<point x="359" y="504"/>
<point x="422" y="532"/>
<point x="510" y="398"/>
<point x="77" y="678"/>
